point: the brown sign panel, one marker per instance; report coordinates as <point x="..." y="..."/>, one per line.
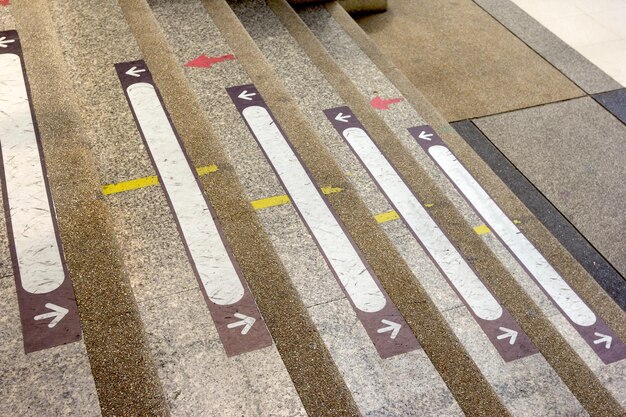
<point x="236" y="316"/>
<point x="45" y="295"/>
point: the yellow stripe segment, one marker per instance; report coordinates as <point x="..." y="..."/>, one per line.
<point x="146" y="182"/>
<point x="482" y="229"/>
<point x="279" y="200"/>
<point x="386" y="217"/>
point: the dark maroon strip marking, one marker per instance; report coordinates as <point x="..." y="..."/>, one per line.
<point x="36" y="333"/>
<point x="617" y="349"/>
<point x="502" y="326"/>
<point x="233" y="341"/>
<point x="405" y="340"/>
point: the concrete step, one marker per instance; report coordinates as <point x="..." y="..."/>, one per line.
<point x="233" y="251"/>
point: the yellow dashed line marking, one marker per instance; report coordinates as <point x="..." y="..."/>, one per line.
<point x="482" y="229"/>
<point x="280" y="200"/>
<point x="429" y="205"/>
<point x="387" y="217"/>
<point x="146" y="182"/>
<point x="517" y="221"/>
<point x="263" y="203"/>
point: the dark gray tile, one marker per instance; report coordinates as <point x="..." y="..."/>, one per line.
<point x="615" y="102"/>
<point x="597" y="266"/>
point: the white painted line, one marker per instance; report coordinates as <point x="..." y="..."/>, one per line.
<point x="38" y="256"/>
<point x="528" y="255"/>
<point x="430" y="235"/>
<point x="346" y="262"/>
<point x="217" y="272"/>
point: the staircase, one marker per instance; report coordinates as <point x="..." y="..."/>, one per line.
<point x="257" y="214"/>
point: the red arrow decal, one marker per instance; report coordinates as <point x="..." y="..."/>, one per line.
<point x="5" y="2"/>
<point x="204" y="61"/>
<point x="379" y="103"/>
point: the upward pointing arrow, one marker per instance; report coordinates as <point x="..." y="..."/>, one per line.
<point x="603" y="338"/>
<point x="246" y="96"/>
<point x="57" y="312"/>
<point x="4" y="41"/>
<point x="135" y="72"/>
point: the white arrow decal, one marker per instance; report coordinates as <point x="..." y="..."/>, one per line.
<point x="508" y="333"/>
<point x="340" y="117"/>
<point x="135" y="72"/>
<point x="3" y="41"/>
<point x="603" y="338"/>
<point x="57" y="312"/>
<point x="245" y="321"/>
<point x="245" y="96"/>
<point x="424" y="135"/>
<point x="392" y="327"/>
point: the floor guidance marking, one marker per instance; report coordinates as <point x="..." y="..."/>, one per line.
<point x="380" y="317"/>
<point x="496" y="322"/>
<point x="229" y="300"/>
<point x="45" y="295"/>
<point x="592" y="328"/>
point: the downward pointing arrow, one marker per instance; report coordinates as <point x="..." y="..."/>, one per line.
<point x="4" y="40"/>
<point x="245" y="321"/>
<point x="424" y="135"/>
<point x="392" y="327"/>
<point x="603" y="338"/>
<point x="135" y="72"/>
<point x="508" y="333"/>
<point x="343" y="118"/>
<point x="57" y="312"/>
<point x="245" y="96"/>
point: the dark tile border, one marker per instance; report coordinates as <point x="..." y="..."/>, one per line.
<point x="598" y="267"/>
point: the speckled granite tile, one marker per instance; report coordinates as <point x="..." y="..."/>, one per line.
<point x="463" y="61"/>
<point x="155" y="258"/>
<point x="572" y="152"/>
<point x="56" y="381"/>
<point x="565" y="58"/>
<point x="400" y="386"/>
<point x="198" y="376"/>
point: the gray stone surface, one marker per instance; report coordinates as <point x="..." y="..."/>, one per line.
<point x="198" y="377"/>
<point x="314" y="94"/>
<point x="576" y="67"/>
<point x="56" y="381"/>
<point x="403" y="385"/>
<point x="573" y="153"/>
<point x="311" y="276"/>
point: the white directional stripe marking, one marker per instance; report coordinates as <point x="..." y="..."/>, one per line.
<point x="528" y="255"/>
<point x="246" y="321"/>
<point x="603" y="338"/>
<point x="508" y="333"/>
<point x="38" y="255"/>
<point x="432" y="238"/>
<point x="392" y="327"/>
<point x="217" y="272"/>
<point x="350" y="269"/>
<point x="57" y="312"/>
